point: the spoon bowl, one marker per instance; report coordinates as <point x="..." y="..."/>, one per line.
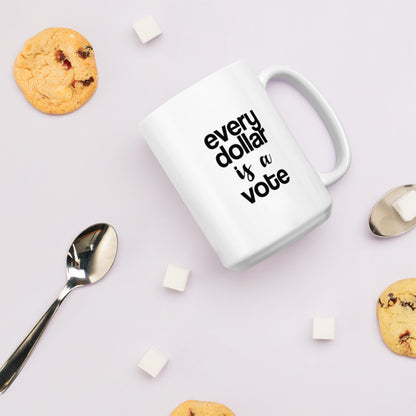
<point x="89" y="258"/>
<point x="91" y="255"/>
<point x="384" y="220"/>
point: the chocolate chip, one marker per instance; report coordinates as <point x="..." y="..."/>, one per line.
<point x="191" y="412"/>
<point x="411" y="305"/>
<point x="88" y="81"/>
<point x="67" y="64"/>
<point x="404" y="337"/>
<point x="84" y="53"/>
<point x="59" y="55"/>
<point x="84" y="82"/>
<point x="392" y="300"/>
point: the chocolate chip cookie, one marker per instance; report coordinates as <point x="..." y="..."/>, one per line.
<point x="396" y="313"/>
<point x="197" y="408"/>
<point x="56" y="70"/>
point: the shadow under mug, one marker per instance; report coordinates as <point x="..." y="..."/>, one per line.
<point x="237" y="167"/>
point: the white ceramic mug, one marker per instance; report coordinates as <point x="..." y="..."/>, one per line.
<point x="236" y="165"/>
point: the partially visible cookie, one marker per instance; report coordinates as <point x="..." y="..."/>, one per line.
<point x="396" y="313"/>
<point x="197" y="408"/>
<point x="56" y="70"/>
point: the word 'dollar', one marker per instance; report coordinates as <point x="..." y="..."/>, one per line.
<point x="238" y="138"/>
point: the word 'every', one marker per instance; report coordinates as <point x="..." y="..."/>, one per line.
<point x="246" y="141"/>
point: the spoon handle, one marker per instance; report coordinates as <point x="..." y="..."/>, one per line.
<point x="17" y="360"/>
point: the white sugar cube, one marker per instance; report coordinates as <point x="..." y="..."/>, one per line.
<point x="323" y="328"/>
<point x="152" y="362"/>
<point x="147" y="28"/>
<point x="176" y="278"/>
<point x="406" y="206"/>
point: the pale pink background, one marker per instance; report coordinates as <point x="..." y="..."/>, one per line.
<point x="239" y="338"/>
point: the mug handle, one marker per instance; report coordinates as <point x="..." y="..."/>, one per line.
<point x="325" y="112"/>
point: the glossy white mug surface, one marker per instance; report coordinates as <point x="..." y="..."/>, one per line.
<point x="237" y="167"/>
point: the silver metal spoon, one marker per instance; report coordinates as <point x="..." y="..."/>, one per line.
<point x="89" y="258"/>
<point x="384" y="220"/>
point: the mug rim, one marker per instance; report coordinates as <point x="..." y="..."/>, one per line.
<point x="182" y="92"/>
